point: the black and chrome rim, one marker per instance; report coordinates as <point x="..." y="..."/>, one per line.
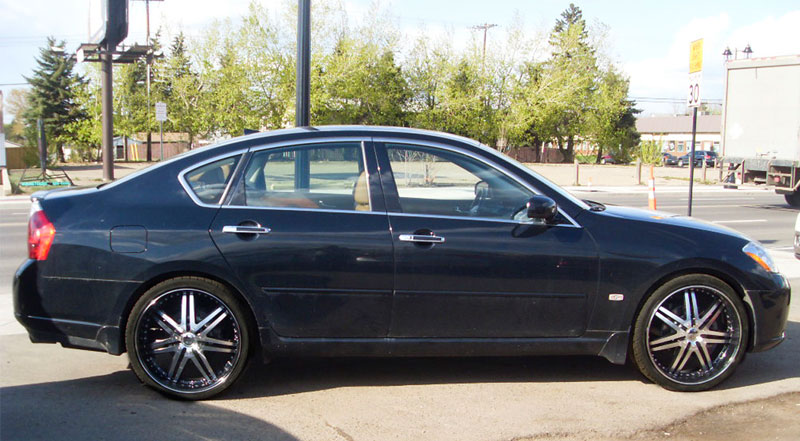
<point x="694" y="335"/>
<point x="188" y="340"/>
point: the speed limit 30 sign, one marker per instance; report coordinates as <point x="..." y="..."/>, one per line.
<point x="695" y="73"/>
<point x="695" y="81"/>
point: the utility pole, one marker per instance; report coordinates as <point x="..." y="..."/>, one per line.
<point x="485" y="28"/>
<point x="107" y="84"/>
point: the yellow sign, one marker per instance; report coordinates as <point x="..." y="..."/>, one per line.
<point x="696" y="56"/>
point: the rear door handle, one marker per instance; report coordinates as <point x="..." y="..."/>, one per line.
<point x="421" y="238"/>
<point x="245" y="229"/>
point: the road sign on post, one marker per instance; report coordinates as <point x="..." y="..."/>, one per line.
<point x="161" y="116"/>
<point x="161" y="112"/>
<point x="695" y="72"/>
<point x="695" y="79"/>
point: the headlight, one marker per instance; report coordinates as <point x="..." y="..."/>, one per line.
<point x="760" y="255"/>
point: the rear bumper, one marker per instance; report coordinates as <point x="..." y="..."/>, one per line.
<point x="770" y="311"/>
<point x="43" y="328"/>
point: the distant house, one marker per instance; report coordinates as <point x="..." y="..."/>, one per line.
<point x="674" y="133"/>
<point x="12" y="155"/>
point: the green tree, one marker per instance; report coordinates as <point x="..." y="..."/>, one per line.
<point x="52" y="97"/>
<point x="16" y="104"/>
<point x="611" y="124"/>
<point x="184" y="92"/>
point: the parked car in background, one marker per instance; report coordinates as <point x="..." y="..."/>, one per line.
<point x="699" y="155"/>
<point x="608" y="159"/>
<point x="668" y="159"/>
<point x="378" y="241"/>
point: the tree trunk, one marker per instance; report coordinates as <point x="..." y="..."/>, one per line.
<point x="569" y="155"/>
<point x="60" y="152"/>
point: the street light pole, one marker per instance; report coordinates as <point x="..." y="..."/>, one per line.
<point x="302" y="117"/>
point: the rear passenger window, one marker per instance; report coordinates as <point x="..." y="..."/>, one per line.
<point x="327" y="176"/>
<point x="209" y="181"/>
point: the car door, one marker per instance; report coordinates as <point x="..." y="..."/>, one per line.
<point x="306" y="232"/>
<point x="468" y="262"/>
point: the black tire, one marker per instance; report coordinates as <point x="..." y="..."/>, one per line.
<point x="680" y="162"/>
<point x="603" y="161"/>
<point x="188" y="319"/>
<point x="692" y="350"/>
<point x="792" y="199"/>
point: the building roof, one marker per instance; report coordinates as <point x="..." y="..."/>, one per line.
<point x="678" y="124"/>
<point x="11" y="145"/>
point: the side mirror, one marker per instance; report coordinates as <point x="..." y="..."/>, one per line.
<point x="542" y="208"/>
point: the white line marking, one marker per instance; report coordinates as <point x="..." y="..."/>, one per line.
<point x="714" y="199"/>
<point x="708" y="206"/>
<point x="741" y="221"/>
<point x="14" y="224"/>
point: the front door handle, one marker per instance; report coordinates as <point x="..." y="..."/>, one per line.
<point x="421" y="238"/>
<point x="245" y="229"/>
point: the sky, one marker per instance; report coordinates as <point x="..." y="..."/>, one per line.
<point x="649" y="40"/>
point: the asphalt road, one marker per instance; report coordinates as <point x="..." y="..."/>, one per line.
<point x="48" y="392"/>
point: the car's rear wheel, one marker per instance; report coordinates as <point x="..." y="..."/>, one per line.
<point x="691" y="333"/>
<point x="188" y="337"/>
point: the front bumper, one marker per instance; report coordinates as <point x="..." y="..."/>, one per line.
<point x="770" y="313"/>
<point x="43" y="328"/>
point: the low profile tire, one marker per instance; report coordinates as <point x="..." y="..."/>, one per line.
<point x="690" y="334"/>
<point x="187" y="337"/>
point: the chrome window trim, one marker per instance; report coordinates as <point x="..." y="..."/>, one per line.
<point x="514" y="177"/>
<point x="188" y="188"/>
<point x="307" y="142"/>
<point x="312" y="210"/>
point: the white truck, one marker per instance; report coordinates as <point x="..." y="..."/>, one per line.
<point x="761" y="123"/>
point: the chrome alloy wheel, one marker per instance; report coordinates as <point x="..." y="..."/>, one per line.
<point x="694" y="335"/>
<point x="188" y="341"/>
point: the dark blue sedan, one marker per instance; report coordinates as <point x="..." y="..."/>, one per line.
<point x="359" y="241"/>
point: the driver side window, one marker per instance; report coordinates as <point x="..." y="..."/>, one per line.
<point x="432" y="181"/>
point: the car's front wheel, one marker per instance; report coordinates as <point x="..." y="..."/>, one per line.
<point x="187" y="337"/>
<point x="691" y="333"/>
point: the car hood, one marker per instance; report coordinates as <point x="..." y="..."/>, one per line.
<point x="671" y="219"/>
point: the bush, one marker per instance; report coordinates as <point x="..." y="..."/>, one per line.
<point x="649" y="152"/>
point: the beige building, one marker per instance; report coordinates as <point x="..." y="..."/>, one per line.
<point x="674" y="133"/>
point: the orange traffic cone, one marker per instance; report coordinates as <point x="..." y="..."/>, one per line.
<point x="651" y="197"/>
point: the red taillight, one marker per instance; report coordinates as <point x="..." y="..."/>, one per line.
<point x="41" y="233"/>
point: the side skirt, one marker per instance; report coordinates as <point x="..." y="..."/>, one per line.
<point x="611" y="345"/>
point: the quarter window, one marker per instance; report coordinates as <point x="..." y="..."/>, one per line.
<point x="209" y="181"/>
<point x="439" y="182"/>
<point x="326" y="176"/>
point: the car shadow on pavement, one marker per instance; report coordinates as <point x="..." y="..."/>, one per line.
<point x="291" y="376"/>
<point x="116" y="406"/>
